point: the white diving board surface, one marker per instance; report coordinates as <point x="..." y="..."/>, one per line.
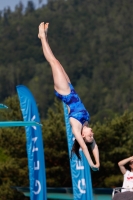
<point x="19" y="123"/>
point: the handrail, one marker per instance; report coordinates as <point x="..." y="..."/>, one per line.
<point x="118" y="190"/>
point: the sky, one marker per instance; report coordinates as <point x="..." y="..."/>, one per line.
<point x="13" y="3"/>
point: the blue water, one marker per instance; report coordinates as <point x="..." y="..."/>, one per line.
<point x="102" y="197"/>
<point x="61" y="194"/>
<point x="56" y="196"/>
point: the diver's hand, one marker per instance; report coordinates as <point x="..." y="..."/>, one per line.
<point x="95" y="167"/>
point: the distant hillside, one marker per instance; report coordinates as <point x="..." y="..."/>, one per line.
<point x="93" y="41"/>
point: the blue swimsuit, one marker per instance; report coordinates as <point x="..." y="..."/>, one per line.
<point x="77" y="109"/>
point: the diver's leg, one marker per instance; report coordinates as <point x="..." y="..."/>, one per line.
<point x="60" y="77"/>
<point x="46" y="33"/>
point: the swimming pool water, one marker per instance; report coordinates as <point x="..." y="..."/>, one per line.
<point x="56" y="196"/>
<point x="102" y="197"/>
<point x="66" y="193"/>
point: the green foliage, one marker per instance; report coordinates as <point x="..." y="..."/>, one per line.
<point x="3" y="156"/>
<point x="13" y="156"/>
<point x="56" y="150"/>
<point x="89" y="39"/>
<point x="115" y="139"/>
<point x="93" y="41"/>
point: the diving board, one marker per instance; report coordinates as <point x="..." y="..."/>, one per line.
<point x="19" y="123"/>
<point x="2" y="106"/>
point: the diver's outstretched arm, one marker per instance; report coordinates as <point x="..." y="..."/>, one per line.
<point x="76" y="130"/>
<point x="95" y="152"/>
<point x="84" y="148"/>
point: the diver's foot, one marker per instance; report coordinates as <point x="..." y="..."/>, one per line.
<point x="43" y="29"/>
<point x="46" y="28"/>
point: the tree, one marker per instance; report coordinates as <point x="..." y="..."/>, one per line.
<point x="115" y="140"/>
<point x="30" y="7"/>
<point x="13" y="160"/>
<point x="56" y="150"/>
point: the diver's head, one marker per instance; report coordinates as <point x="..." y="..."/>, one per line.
<point x="87" y="134"/>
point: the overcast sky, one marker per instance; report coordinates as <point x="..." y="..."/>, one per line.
<point x="13" y="3"/>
